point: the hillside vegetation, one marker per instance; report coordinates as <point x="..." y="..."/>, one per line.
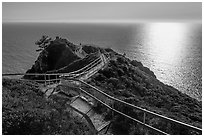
<point x="130" y="81"/>
<point x="26" y="111"/>
<point x="125" y="79"/>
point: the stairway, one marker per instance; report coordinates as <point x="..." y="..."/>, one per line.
<point x="80" y="104"/>
<point x="83" y="108"/>
<point x="69" y="87"/>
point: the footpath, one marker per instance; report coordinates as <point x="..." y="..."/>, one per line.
<point x="81" y="105"/>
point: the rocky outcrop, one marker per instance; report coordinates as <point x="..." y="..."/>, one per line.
<point x="78" y="64"/>
<point x="123" y="78"/>
<point x="26" y="111"/>
<point x="130" y="81"/>
<point x="62" y="56"/>
<point x="57" y="54"/>
<point x="143" y="68"/>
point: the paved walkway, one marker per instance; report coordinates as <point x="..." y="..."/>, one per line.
<point x="80" y="103"/>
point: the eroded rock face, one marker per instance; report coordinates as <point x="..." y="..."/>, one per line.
<point x="77" y="64"/>
<point x="130" y="81"/>
<point x="26" y="111"/>
<point x="58" y="54"/>
<point x="63" y="56"/>
<point x="123" y="78"/>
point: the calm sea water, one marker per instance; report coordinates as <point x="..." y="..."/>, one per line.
<point x="172" y="50"/>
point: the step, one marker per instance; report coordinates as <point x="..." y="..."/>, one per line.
<point x="81" y="105"/>
<point x="48" y="87"/>
<point x="103" y="126"/>
<point x="97" y="119"/>
<point x="49" y="92"/>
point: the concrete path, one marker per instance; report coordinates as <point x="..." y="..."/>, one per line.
<point x="80" y="103"/>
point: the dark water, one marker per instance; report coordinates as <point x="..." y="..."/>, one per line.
<point x="172" y="50"/>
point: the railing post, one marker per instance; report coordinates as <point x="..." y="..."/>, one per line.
<point x="45" y="79"/>
<point x="108" y="128"/>
<point x="113" y="111"/>
<point x="144" y="117"/>
<point x="48" y="79"/>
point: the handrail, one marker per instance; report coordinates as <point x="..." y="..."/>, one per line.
<point x="88" y="68"/>
<point x="96" y="60"/>
<point x="90" y="64"/>
<point x="88" y="73"/>
<point x="83" y="72"/>
<point x="110" y="97"/>
<point x="133" y="106"/>
<point x="51" y="74"/>
<point x="32" y="74"/>
<point x="79" y="69"/>
<point x="93" y="129"/>
<point x="136" y="107"/>
<point x="159" y="131"/>
<point x="40" y="74"/>
<point x="139" y="108"/>
<point x="95" y="63"/>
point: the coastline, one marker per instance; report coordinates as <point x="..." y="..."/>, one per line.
<point x="123" y="78"/>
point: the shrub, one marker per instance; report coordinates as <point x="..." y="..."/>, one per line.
<point x="121" y="60"/>
<point x="120" y="72"/>
<point x="139" y="82"/>
<point x="27" y="112"/>
<point x="136" y="63"/>
<point x="114" y="81"/>
<point x="100" y="77"/>
<point x="108" y="72"/>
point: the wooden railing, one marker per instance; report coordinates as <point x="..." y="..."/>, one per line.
<point x="145" y="112"/>
<point x="86" y="67"/>
<point x="66" y="76"/>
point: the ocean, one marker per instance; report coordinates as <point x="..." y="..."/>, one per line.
<point x="173" y="51"/>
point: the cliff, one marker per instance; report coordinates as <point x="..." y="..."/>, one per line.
<point x="131" y="82"/>
<point x="57" y="54"/>
<point x="125" y="79"/>
<point x="26" y="111"/>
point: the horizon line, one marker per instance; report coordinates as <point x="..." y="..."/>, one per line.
<point x="109" y="21"/>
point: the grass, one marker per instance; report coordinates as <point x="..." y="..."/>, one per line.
<point x="27" y="112"/>
<point x="130" y="81"/>
<point x="122" y="78"/>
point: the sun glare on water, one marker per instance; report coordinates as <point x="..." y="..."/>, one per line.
<point x="166" y="41"/>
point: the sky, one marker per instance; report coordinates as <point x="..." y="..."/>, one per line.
<point x="101" y="12"/>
